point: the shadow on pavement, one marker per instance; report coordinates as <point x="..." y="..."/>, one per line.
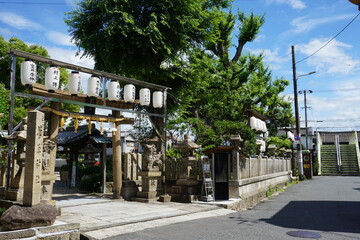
<point x="334" y="216"/>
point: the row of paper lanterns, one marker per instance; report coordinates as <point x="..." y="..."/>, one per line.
<point x="52" y="82"/>
<point x="258" y="124"/>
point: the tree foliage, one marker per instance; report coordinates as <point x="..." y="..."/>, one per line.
<point x="187" y="45"/>
<point x="218" y="88"/>
<point x="134" y="38"/>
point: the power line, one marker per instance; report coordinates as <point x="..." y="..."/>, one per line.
<point x="332" y="90"/>
<point x="335" y="120"/>
<point x="337" y="90"/>
<point x="33" y="3"/>
<point x="329" y="40"/>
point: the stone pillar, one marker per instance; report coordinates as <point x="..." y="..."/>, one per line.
<point x="236" y="164"/>
<point x="127" y="166"/>
<point x="48" y="173"/>
<point x="138" y="166"/>
<point x="33" y="162"/>
<point x="116" y="146"/>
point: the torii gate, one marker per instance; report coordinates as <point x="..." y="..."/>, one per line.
<point x="38" y="91"/>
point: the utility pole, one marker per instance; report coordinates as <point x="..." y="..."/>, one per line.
<point x="306" y="119"/>
<point x="297" y="120"/>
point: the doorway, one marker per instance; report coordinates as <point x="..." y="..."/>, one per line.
<point x="221" y="176"/>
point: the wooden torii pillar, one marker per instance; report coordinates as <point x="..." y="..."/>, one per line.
<point x="116" y="146"/>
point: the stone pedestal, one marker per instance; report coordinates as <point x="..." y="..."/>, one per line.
<point x="151" y="186"/>
<point x="184" y="194"/>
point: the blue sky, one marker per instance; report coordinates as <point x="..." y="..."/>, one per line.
<point x="306" y="24"/>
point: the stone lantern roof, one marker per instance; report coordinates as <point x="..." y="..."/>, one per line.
<point x="187" y="144"/>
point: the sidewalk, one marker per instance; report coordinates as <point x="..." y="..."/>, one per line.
<point x="101" y="217"/>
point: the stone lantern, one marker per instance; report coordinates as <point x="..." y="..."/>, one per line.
<point x="186" y="188"/>
<point x="187" y="176"/>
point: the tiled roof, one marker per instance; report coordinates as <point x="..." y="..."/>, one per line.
<point x="100" y="139"/>
<point x="68" y="136"/>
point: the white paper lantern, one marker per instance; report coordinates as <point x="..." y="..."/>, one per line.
<point x="265" y="127"/>
<point x="28" y="72"/>
<point x="145" y="97"/>
<point x="52" y="78"/>
<point x="93" y="87"/>
<point x="258" y="125"/>
<point x="290" y="136"/>
<point x="114" y="90"/>
<point x="158" y="99"/>
<point x="263" y="146"/>
<point x="129" y="93"/>
<point x="253" y="122"/>
<point x="74" y="85"/>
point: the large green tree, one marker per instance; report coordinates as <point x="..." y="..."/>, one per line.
<point x="219" y="88"/>
<point x="134" y="38"/>
<point x="191" y="47"/>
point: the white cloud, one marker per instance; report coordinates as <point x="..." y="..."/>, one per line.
<point x="71" y="2"/>
<point x="260" y="38"/>
<point x="335" y="105"/>
<point x="18" y="21"/>
<point x="295" y="4"/>
<point x="332" y="58"/>
<point x="59" y="38"/>
<point x="5" y="32"/>
<point x="69" y="56"/>
<point x="272" y="58"/>
<point x="306" y="24"/>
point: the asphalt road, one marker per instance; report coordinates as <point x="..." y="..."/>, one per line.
<point x="328" y="206"/>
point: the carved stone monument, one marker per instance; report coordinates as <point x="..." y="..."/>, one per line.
<point x="187" y="187"/>
<point x="34" y="154"/>
<point x="151" y="175"/>
<point x="47" y="177"/>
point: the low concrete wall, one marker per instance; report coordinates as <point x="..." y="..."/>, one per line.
<point x="63" y="231"/>
<point x="253" y="190"/>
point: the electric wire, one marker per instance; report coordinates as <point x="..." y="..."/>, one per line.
<point x="34" y="3"/>
<point x="329" y="40"/>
